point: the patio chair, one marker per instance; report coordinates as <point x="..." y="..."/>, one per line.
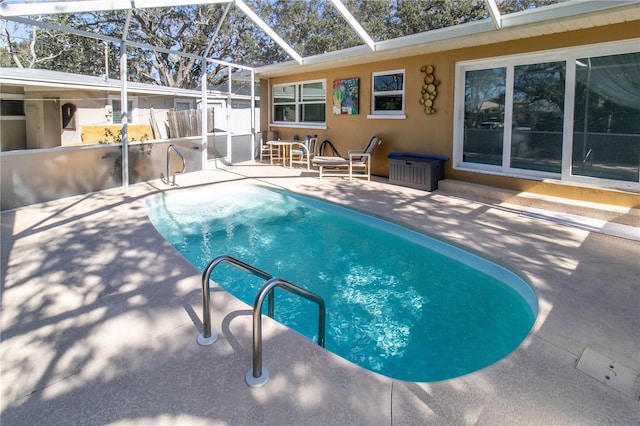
<point x="304" y="152"/>
<point x="266" y="150"/>
<point x="356" y="165"/>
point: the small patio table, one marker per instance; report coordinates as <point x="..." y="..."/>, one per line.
<point x="284" y="149"/>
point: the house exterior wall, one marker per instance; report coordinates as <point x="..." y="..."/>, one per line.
<point x="42" y="127"/>
<point x="90" y="110"/>
<point x="12" y="128"/>
<point x="234" y="116"/>
<point x="433" y="134"/>
<point x="42" y="123"/>
<point x="13" y="134"/>
<point x="158" y="106"/>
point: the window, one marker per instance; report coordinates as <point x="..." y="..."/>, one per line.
<point x="300" y="103"/>
<point x="183" y="104"/>
<point x="11" y="106"/>
<point x="567" y="115"/>
<point x="538" y="116"/>
<point x="387" y="94"/>
<point x="606" y="118"/>
<point x="536" y="119"/>
<point x="484" y="115"/>
<point x="116" y="110"/>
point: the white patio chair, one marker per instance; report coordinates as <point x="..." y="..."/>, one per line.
<point x="357" y="164"/>
<point x="304" y="152"/>
<point x="267" y="151"/>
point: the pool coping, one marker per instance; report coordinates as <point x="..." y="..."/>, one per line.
<point x="78" y="347"/>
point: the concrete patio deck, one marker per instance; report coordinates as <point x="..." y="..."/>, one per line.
<point x="100" y="317"/>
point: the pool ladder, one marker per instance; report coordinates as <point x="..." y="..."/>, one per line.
<point x="174" y="148"/>
<point x="257" y="376"/>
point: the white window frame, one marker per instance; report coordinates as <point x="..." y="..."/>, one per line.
<point x="570" y="55"/>
<point x="133" y="114"/>
<point x="182" y="101"/>
<point x="397" y="115"/>
<point x="14" y="97"/>
<point x="298" y="105"/>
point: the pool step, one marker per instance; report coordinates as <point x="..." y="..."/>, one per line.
<point x="609" y="372"/>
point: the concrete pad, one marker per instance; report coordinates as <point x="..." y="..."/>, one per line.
<point x="100" y="317"/>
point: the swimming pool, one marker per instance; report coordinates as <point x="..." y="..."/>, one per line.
<point x="398" y="302"/>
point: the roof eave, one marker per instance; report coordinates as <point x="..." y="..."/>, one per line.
<point x="44" y="82"/>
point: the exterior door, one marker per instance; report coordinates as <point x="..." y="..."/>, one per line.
<point x="44" y="126"/>
<point x="35" y="130"/>
<point x="52" y="123"/>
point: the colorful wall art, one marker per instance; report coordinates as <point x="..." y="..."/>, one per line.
<point x="346" y="94"/>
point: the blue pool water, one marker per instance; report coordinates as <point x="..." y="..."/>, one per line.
<point x="398" y="302"/>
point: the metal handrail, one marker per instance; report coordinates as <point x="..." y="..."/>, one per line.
<point x="184" y="162"/>
<point x="257" y="376"/>
<point x="207" y="337"/>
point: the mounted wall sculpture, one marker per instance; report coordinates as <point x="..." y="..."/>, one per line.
<point x="429" y="91"/>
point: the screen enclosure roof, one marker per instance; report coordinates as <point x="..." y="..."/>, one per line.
<point x="363" y="40"/>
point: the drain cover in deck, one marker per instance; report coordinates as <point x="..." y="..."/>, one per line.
<point x="609" y="372"/>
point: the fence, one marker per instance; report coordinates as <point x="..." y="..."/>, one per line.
<point x="187" y="123"/>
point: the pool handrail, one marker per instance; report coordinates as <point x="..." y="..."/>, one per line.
<point x="258" y="376"/>
<point x="184" y="163"/>
<point x="208" y="337"/>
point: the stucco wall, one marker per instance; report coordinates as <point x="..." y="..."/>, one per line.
<point x="90" y="111"/>
<point x="433" y="134"/>
<point x="13" y="134"/>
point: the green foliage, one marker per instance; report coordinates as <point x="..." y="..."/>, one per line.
<point x="511" y="6"/>
<point x="311" y="27"/>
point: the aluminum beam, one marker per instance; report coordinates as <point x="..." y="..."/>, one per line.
<point x="57" y="7"/>
<point x="127" y="24"/>
<point x="79" y="6"/>
<point x="19" y="12"/>
<point x="115" y="40"/>
<point x="494" y="12"/>
<point x="124" y="109"/>
<point x="213" y="37"/>
<point x="267" y="29"/>
<point x="353" y="22"/>
<point x="49" y="26"/>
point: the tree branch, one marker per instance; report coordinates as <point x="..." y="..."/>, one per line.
<point x="12" y="51"/>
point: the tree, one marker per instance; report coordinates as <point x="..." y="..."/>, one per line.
<point x="34" y="47"/>
<point x="185" y="29"/>
<point x="311" y="27"/>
